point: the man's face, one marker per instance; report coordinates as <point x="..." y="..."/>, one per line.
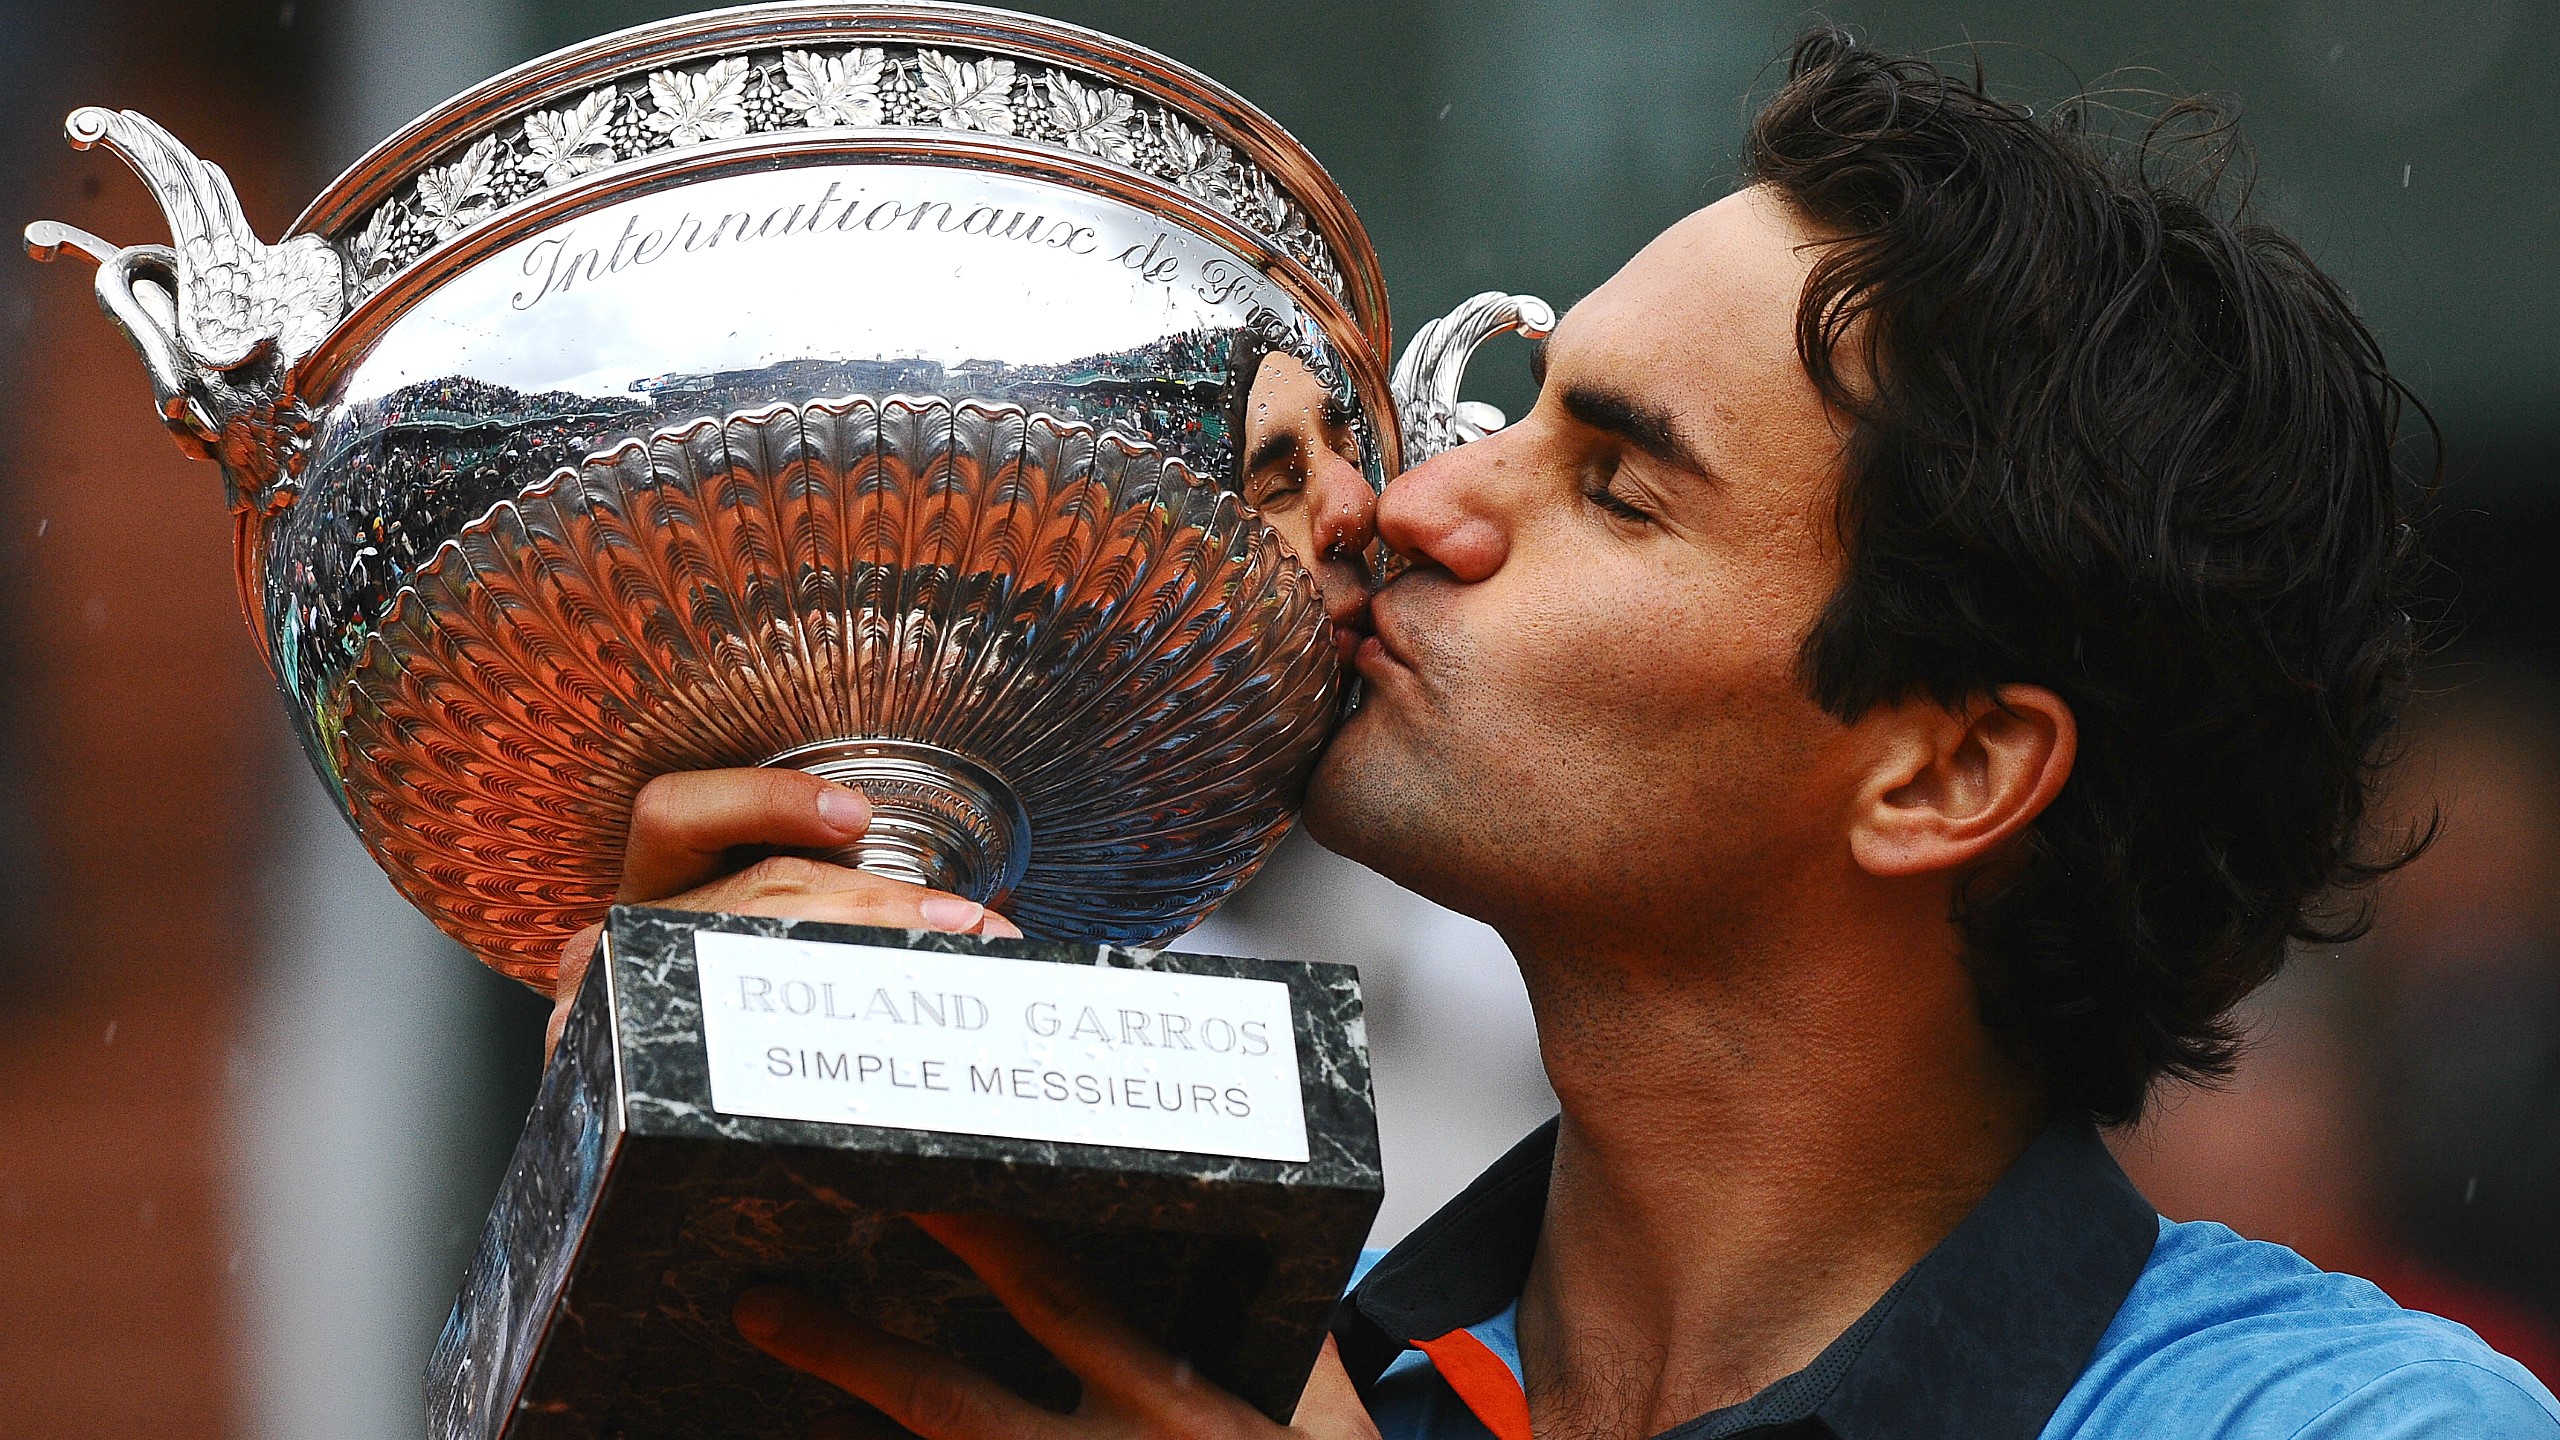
<point x="1583" y="703"/>
<point x="1302" y="474"/>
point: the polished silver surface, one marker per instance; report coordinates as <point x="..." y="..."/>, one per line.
<point x="857" y="387"/>
<point x="1428" y="374"/>
<point x="945" y="821"/>
<point x="857" y="86"/>
<point x="1119" y="651"/>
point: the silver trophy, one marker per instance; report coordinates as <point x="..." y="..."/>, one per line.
<point x="869" y="389"/>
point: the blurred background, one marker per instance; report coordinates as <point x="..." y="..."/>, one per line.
<point x="252" y="1109"/>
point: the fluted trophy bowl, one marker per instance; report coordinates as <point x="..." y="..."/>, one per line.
<point x="861" y="388"/>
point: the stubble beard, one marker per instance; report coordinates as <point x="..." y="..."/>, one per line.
<point x="1377" y="803"/>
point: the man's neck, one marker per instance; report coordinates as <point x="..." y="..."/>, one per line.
<point x="1748" y="1159"/>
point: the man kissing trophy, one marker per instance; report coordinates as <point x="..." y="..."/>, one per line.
<point x="976" y="413"/>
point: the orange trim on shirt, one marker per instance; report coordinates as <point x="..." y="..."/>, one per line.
<point x="1479" y="1377"/>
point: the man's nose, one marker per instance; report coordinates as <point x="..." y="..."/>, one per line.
<point x="1444" y="511"/>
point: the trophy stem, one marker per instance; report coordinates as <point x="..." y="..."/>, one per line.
<point x="938" y="818"/>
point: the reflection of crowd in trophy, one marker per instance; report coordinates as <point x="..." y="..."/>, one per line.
<point x="1165" y="414"/>
<point x="461" y="398"/>
<point x="459" y="445"/>
<point x="452" y="445"/>
<point x="727" y="391"/>
<point x="1174" y="391"/>
<point x="1170" y="391"/>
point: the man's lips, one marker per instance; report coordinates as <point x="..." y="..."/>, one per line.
<point x="1350" y="629"/>
<point x="1377" y="646"/>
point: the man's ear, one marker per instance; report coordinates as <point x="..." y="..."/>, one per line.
<point x="1955" y="785"/>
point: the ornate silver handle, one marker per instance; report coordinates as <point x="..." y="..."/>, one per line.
<point x="1435" y="364"/>
<point x="137" y="287"/>
<point x="219" y="318"/>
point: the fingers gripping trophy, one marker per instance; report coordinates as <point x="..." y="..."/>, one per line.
<point x="902" y="394"/>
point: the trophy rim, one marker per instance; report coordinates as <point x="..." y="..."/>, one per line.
<point x="658" y="44"/>
<point x="351" y="338"/>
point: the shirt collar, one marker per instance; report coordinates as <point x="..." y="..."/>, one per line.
<point x="1979" y="1341"/>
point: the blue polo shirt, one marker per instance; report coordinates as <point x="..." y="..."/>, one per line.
<point x="2062" y="1308"/>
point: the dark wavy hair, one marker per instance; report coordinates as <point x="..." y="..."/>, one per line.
<point x="2115" y="438"/>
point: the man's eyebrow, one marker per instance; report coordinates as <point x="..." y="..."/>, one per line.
<point x="1274" y="449"/>
<point x="1646" y="427"/>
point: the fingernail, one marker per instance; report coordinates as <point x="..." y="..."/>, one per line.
<point x="949" y="912"/>
<point x="844" y="808"/>
<point x="998" y="925"/>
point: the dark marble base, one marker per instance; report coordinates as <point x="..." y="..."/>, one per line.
<point x="633" y="1215"/>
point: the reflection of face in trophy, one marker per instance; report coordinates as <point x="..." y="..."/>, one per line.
<point x="1299" y="459"/>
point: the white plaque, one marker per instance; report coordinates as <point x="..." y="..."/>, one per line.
<point x="972" y="1045"/>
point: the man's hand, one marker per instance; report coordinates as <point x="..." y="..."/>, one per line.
<point x="693" y="840"/>
<point x="1131" y="1389"/>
